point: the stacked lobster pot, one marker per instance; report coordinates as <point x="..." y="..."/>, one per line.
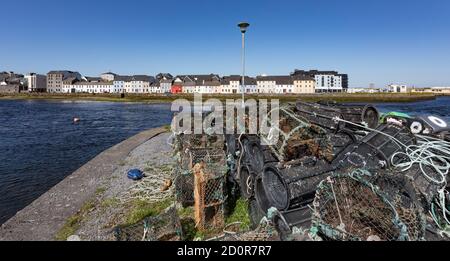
<point x="362" y="206"/>
<point x="325" y="143"/>
<point x="193" y="149"/>
<point x="285" y="174"/>
<point x="376" y="149"/>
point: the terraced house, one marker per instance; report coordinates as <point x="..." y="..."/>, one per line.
<point x="233" y="84"/>
<point x="205" y="83"/>
<point x="87" y="85"/>
<point x="165" y="81"/>
<point x="55" y="80"/>
<point x="138" y="84"/>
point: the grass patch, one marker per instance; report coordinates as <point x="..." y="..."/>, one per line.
<point x="142" y="209"/>
<point x="240" y="214"/>
<point x="110" y="202"/>
<point x="73" y="223"/>
<point x="207" y="234"/>
<point x="186" y="212"/>
<point x="100" y="191"/>
<point x="70" y="227"/>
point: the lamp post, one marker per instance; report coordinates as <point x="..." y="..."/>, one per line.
<point x="243" y="26"/>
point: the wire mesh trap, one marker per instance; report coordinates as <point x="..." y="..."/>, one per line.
<point x="209" y="195"/>
<point x="360" y="114"/>
<point x="165" y="227"/>
<point x="297" y="137"/>
<point x="401" y="191"/>
<point x="376" y="149"/>
<point x="193" y="149"/>
<point x="288" y="187"/>
<point x="184" y="187"/>
<point x="350" y="208"/>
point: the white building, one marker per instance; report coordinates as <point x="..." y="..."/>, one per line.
<point x="265" y="84"/>
<point x="441" y="90"/>
<point x="230" y="85"/>
<point x="398" y="88"/>
<point x="139" y="84"/>
<point x="119" y="84"/>
<point x="365" y="90"/>
<point x="155" y="88"/>
<point x="328" y="82"/>
<point x="36" y="82"/>
<point x="165" y="82"/>
<point x="233" y="85"/>
<point x="275" y="84"/>
<point x="88" y="87"/>
<point x="165" y="85"/>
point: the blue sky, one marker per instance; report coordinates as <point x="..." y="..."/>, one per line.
<point x="374" y="41"/>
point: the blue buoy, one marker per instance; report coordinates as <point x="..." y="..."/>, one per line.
<point x="135" y="174"/>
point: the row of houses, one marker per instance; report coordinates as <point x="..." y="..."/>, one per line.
<point x="298" y="82"/>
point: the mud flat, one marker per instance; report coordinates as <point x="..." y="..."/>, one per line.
<point x="84" y="204"/>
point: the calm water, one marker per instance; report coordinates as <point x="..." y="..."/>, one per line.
<point x="439" y="107"/>
<point x="39" y="145"/>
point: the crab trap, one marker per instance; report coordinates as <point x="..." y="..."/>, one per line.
<point x="365" y="115"/>
<point x="210" y="195"/>
<point x="293" y="137"/>
<point x="290" y="187"/>
<point x="349" y="208"/>
<point x="376" y="149"/>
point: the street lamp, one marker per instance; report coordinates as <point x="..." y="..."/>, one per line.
<point x="243" y="26"/>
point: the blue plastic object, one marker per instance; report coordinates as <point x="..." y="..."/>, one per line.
<point x="135" y="174"/>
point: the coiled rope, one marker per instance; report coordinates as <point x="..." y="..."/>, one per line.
<point x="428" y="152"/>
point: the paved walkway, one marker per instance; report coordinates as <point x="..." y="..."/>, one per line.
<point x="43" y="218"/>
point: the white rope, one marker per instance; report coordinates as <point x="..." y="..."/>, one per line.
<point x="432" y="154"/>
<point x="149" y="188"/>
<point x="249" y="185"/>
<point x="342" y="225"/>
<point x="428" y="152"/>
<point x="370" y="129"/>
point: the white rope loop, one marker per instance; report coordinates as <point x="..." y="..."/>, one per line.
<point x="429" y="152"/>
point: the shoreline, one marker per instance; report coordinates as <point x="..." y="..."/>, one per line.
<point x="147" y="98"/>
<point x="47" y="215"/>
